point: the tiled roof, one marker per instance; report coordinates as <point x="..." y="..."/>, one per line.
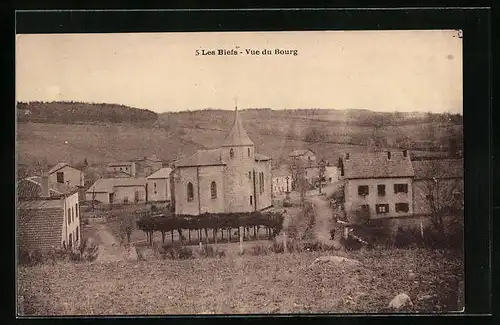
<point x="40" y="224"/>
<point x="260" y="157"/>
<point x="161" y="173"/>
<point x="300" y="152"/>
<point x="282" y="170"/>
<point x="55" y="188"/>
<point x="106" y="185"/>
<point x="59" y="166"/>
<point x="439" y="168"/>
<point x="201" y="158"/>
<point x="237" y="136"/>
<point x="377" y="165"/>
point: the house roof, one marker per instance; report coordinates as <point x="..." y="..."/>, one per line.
<point x="120" y="163"/>
<point x="107" y="185"/>
<point x="300" y="152"/>
<point x="260" y="157"/>
<point x="438" y="168"/>
<point x="377" y="165"/>
<point x="31" y="188"/>
<point x="59" y="166"/>
<point x="118" y="173"/>
<point x="211" y="157"/>
<point x="40" y="224"/>
<point x="161" y="173"/>
<point x="238" y="135"/>
<point x="282" y="170"/>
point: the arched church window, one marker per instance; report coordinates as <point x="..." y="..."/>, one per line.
<point x="213" y="190"/>
<point x="248" y="152"/>
<point x="190" y="192"/>
<point x="231" y="153"/>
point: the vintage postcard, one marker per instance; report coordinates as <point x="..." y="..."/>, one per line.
<point x="239" y="173"/>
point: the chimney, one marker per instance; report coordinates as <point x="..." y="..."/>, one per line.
<point x="45" y="185"/>
<point x="347" y="156"/>
<point x="405" y="153"/>
<point x="388" y="155"/>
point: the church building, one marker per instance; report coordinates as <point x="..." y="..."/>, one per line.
<point x="232" y="178"/>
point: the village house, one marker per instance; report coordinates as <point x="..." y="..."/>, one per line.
<point x="63" y="173"/>
<point x="147" y="165"/>
<point x="305" y="155"/>
<point x="158" y="185"/>
<point x="121" y="169"/>
<point x="378" y="183"/>
<point x="232" y="178"/>
<point x="438" y="184"/>
<point x="282" y="179"/>
<point x="118" y="190"/>
<point x="45" y="221"/>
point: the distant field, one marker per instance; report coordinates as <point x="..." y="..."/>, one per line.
<point x="277" y="283"/>
<point x="103" y="143"/>
<point x="97" y="143"/>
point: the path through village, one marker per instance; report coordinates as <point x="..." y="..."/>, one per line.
<point x="110" y="249"/>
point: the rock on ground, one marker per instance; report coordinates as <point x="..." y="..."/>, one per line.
<point x="337" y="260"/>
<point x="401" y="300"/>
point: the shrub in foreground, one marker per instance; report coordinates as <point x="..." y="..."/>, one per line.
<point x="176" y="251"/>
<point x="210" y="251"/>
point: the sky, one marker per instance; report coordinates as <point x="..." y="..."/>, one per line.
<point x="418" y="71"/>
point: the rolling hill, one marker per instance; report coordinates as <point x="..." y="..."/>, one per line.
<point x="74" y="138"/>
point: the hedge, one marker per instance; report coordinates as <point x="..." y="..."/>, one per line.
<point x="149" y="223"/>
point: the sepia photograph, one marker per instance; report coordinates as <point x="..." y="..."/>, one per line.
<point x="292" y="172"/>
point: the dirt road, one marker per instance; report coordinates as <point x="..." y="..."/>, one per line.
<point x="323" y="213"/>
<point x="110" y="249"/>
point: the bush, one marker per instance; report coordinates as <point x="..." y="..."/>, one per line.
<point x="287" y="204"/>
<point x="407" y="237"/>
<point x="258" y="250"/>
<point x="176" y="251"/>
<point x="209" y="251"/>
<point x="350" y="243"/>
<point x="30" y="257"/>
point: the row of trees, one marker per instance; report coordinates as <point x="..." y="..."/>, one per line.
<point x="71" y="112"/>
<point x="273" y="222"/>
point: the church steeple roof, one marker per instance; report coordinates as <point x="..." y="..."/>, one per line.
<point x="237" y="136"/>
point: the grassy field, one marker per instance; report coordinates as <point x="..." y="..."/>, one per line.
<point x="281" y="283"/>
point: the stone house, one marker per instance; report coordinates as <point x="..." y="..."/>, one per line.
<point x="121" y="169"/>
<point x="158" y="185"/>
<point x="118" y="190"/>
<point x="63" y="173"/>
<point x="438" y="184"/>
<point x="45" y="221"/>
<point x="282" y="179"/>
<point x="231" y="178"/>
<point x="306" y="155"/>
<point x="379" y="183"/>
<point x="147" y="165"/>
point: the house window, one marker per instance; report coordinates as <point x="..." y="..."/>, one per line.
<point x="60" y="177"/>
<point x="248" y="152"/>
<point x="190" y="192"/>
<point x="76" y="233"/>
<point x="70" y="240"/>
<point x="154" y="185"/>
<point x="231" y="153"/>
<point x="121" y="168"/>
<point x="363" y="190"/>
<point x="125" y="199"/>
<point x="213" y="190"/>
<point x="382" y="208"/>
<point x="402" y="207"/>
<point x="251" y="200"/>
<point x="136" y="196"/>
<point x="400" y="188"/>
<point x="381" y="190"/>
<point x="77" y="212"/>
<point x="111" y="198"/>
<point x="69" y="216"/>
<point x="365" y="208"/>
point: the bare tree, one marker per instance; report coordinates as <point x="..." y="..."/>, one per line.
<point x="442" y="195"/>
<point x="299" y="182"/>
<point x="321" y="174"/>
